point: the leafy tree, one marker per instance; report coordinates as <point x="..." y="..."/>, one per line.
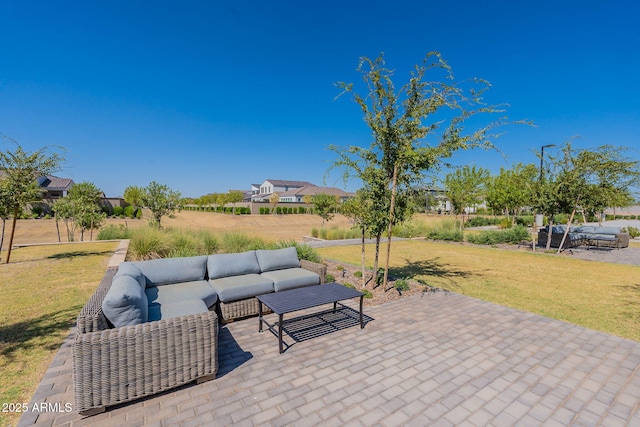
<point x="465" y="187"/>
<point x="415" y="128"/>
<point x="20" y="170"/>
<point x="234" y="197"/>
<point x="5" y="207"/>
<point x="80" y="209"/>
<point x="325" y="205"/>
<point x="513" y="189"/>
<point x="161" y="201"/>
<point x="133" y="195"/>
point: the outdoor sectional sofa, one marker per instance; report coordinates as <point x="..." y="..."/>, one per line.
<point x="585" y="235"/>
<point x="153" y="325"/>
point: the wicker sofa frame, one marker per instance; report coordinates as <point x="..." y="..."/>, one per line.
<point x="116" y="365"/>
<point x="239" y="309"/>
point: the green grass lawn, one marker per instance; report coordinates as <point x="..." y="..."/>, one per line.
<point x="596" y="295"/>
<point x="43" y="290"/>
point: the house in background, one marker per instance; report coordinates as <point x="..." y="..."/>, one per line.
<point x="296" y="195"/>
<point x="53" y="187"/>
<point x="270" y="186"/>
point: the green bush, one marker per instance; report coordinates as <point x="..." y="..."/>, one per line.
<point x="446" y="230"/>
<point x="233" y="242"/>
<point x="357" y="273"/>
<point x="401" y="285"/>
<point x="118" y="210"/>
<point x="525" y="220"/>
<point x="330" y="278"/>
<point x="304" y="251"/>
<point x="114" y="232"/>
<point x="315" y="232"/>
<point x="515" y="234"/>
<point x="481" y="221"/>
<point x="138" y="213"/>
<point x="633" y="232"/>
<point x="148" y="243"/>
<point x="128" y="211"/>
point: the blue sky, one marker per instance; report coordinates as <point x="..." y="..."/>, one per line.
<point x="206" y="96"/>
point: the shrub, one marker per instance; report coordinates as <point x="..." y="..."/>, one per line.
<point x="525" y="220"/>
<point x="305" y="251"/>
<point x="139" y="213"/>
<point x="148" y="243"/>
<point x="128" y="211"/>
<point x="481" y="221"/>
<point x="330" y="278"/>
<point x="237" y="242"/>
<point x="493" y="237"/>
<point x="633" y="232"/>
<point x="446" y="230"/>
<point x="357" y="273"/>
<point x="315" y="232"/>
<point x="114" y="232"/>
<point x="505" y="223"/>
<point x="401" y="285"/>
<point x="117" y="210"/>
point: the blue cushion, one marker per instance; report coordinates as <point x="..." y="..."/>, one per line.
<point x="126" y="303"/>
<point x="278" y="259"/>
<point x="178" y="292"/>
<point x="173" y="270"/>
<point x="291" y="278"/>
<point x="239" y="287"/>
<point x="176" y="309"/>
<point x="130" y="269"/>
<point x="225" y="265"/>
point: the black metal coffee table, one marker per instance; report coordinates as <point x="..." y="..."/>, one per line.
<point x="301" y="298"/>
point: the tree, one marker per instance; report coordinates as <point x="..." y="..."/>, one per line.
<point x="20" y="170"/>
<point x="513" y="189"/>
<point x="234" y="197"/>
<point x="161" y="201"/>
<point x="325" y="205"/>
<point x="133" y="195"/>
<point x="5" y="207"/>
<point x="273" y="200"/>
<point x="465" y="187"/>
<point x="80" y="209"/>
<point x="414" y="128"/>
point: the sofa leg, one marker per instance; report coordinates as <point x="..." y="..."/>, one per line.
<point x="93" y="411"/>
<point x="205" y="378"/>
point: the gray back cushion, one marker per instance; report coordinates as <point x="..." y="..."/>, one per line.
<point x="130" y="269"/>
<point x="173" y="270"/>
<point x="126" y="303"/>
<point x="278" y="259"/>
<point x="227" y="265"/>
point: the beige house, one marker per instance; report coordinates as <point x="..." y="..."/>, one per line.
<point x="296" y="195"/>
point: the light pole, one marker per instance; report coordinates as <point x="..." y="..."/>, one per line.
<point x="542" y="157"/>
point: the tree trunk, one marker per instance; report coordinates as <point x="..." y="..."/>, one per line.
<point x="549" y="233"/>
<point x="4" y="222"/>
<point x="13" y="231"/>
<point x="390" y="226"/>
<point x="566" y="231"/>
<point x="58" y="231"/>
<point x="375" y="261"/>
<point x="364" y="277"/>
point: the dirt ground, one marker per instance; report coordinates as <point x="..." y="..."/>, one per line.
<point x="270" y="227"/>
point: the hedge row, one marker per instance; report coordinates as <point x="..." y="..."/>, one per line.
<point x="240" y="210"/>
<point x="279" y="210"/>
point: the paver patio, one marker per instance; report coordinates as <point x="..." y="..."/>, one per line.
<point x="436" y="359"/>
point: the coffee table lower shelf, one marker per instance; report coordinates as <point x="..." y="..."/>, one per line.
<point x="284" y="302"/>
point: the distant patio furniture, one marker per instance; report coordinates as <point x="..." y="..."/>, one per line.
<point x="588" y="236"/>
<point x="289" y="301"/>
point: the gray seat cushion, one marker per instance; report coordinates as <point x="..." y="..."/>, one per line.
<point x="126" y="303"/>
<point x="176" y="309"/>
<point x="239" y="287"/>
<point x="277" y="259"/>
<point x="226" y="265"/>
<point x="173" y="270"/>
<point x="292" y="278"/>
<point x="179" y="292"/>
